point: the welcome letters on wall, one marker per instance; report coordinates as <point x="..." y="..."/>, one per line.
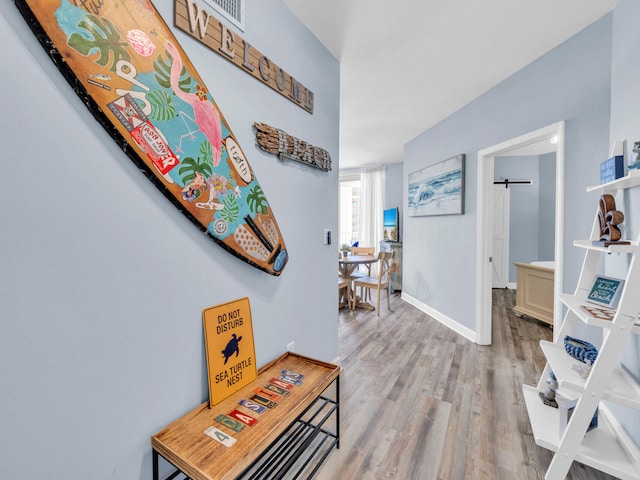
<point x="196" y="21"/>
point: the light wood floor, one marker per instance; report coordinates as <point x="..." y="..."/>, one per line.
<point x="420" y="402"/>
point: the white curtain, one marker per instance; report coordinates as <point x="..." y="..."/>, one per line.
<point x="371" y="207"/>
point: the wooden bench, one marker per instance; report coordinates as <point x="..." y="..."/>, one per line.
<point x="290" y="440"/>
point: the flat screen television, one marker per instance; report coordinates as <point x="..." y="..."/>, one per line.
<point x="391" y="224"/>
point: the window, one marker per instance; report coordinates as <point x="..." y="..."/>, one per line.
<point x="349" y="215"/>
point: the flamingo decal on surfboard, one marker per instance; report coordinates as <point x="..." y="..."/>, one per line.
<point x="206" y="115"/>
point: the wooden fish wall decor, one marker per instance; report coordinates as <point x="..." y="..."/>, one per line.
<point x="277" y="142"/>
<point x="126" y="65"/>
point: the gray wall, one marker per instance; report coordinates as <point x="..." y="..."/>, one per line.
<point x="547" y="206"/>
<point x="393" y="189"/>
<point x="625" y="125"/>
<point x="571" y="83"/>
<point x="103" y="281"/>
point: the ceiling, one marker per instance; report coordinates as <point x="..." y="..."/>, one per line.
<point x="403" y="71"/>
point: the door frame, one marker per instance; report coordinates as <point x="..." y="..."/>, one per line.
<point x="484" y="225"/>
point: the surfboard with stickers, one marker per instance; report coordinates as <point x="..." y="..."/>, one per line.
<point x="126" y="65"/>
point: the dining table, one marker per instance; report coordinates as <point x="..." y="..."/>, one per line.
<point x="347" y="265"/>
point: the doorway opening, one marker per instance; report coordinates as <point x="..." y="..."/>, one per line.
<point x="524" y="193"/>
<point x="485" y="231"/>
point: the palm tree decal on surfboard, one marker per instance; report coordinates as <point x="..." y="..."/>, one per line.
<point x="128" y="68"/>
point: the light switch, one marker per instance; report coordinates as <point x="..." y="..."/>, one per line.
<point x="327" y="237"/>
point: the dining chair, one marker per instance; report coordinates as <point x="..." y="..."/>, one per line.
<point x="382" y="281"/>
<point x="359" y="274"/>
<point x="364" y="251"/>
<point x="344" y="292"/>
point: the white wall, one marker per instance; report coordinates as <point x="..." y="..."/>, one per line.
<point x="103" y="281"/>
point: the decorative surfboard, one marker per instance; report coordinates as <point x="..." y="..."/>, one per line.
<point x="124" y="62"/>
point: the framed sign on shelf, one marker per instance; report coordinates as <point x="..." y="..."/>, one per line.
<point x="606" y="291"/>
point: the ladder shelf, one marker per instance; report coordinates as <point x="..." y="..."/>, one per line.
<point x="575" y="303"/>
<point x="622" y="388"/>
<point x="608" y="447"/>
<point x="588" y="244"/>
<point x="600" y="449"/>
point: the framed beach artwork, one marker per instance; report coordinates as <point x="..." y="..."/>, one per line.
<point x="437" y="189"/>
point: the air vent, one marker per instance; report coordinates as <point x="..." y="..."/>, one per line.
<point x="232" y="10"/>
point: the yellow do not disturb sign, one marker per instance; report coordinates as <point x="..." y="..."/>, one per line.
<point x="231" y="356"/>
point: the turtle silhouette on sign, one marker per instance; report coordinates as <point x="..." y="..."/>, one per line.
<point x="231" y="348"/>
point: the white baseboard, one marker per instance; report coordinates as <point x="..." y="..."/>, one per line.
<point x="443" y="319"/>
<point x="512" y="286"/>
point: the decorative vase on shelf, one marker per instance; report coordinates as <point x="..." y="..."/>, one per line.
<point x="549" y="395"/>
